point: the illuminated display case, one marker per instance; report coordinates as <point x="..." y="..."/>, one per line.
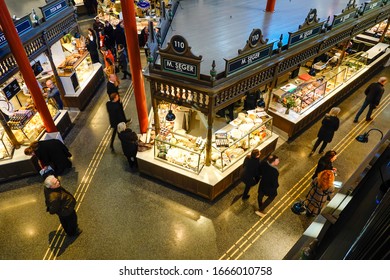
<point x="354" y="63"/>
<point x="181" y="150"/>
<point x="6" y="147"/>
<point x="301" y="97"/>
<point x="243" y="134"/>
<point x="27" y="125"/>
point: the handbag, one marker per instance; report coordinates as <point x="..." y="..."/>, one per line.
<point x="298" y="207"/>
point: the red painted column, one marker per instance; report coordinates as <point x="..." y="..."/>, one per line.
<point x="21" y="58"/>
<point x="270" y="6"/>
<point x="130" y="24"/>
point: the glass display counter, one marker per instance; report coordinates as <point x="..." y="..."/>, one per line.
<point x="6" y="147"/>
<point x="300" y="97"/>
<point x="181" y="150"/>
<point x="75" y="71"/>
<point x="27" y="125"/>
<point x="242" y="135"/>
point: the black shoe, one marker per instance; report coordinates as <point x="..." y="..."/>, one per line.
<point x="355" y="121"/>
<point x="112" y="149"/>
<point x="77" y="233"/>
<point x="369" y="119"/>
<point x="124" y="78"/>
<point x="245" y="197"/>
<point x="311" y="153"/>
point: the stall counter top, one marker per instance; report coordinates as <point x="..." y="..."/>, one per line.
<point x="209" y="174"/>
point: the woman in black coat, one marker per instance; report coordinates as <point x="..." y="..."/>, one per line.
<point x="251" y="171"/>
<point x="129" y="141"/>
<point x="326" y="163"/>
<point x="92" y="49"/>
<point x="52" y="153"/>
<point x="330" y="124"/>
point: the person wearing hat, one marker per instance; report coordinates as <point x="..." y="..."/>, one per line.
<point x="62" y="203"/>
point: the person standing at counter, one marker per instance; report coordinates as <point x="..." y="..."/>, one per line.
<point x="269" y="183"/>
<point x="54" y="93"/>
<point x="98" y="27"/>
<point x="330" y="124"/>
<point x="92" y="49"/>
<point x="52" y="153"/>
<point x="374" y="93"/>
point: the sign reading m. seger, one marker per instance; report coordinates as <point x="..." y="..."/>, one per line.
<point x="248" y="59"/>
<point x="178" y="67"/>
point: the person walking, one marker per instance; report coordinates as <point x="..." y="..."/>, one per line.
<point x="330" y="124"/>
<point x="52" y="153"/>
<point x="322" y="188"/>
<point x="116" y="115"/>
<point x="62" y="203"/>
<point x="54" y="93"/>
<point x="268" y="183"/>
<point x="129" y="141"/>
<point x="251" y="171"/>
<point x="374" y="93"/>
<point x="112" y="84"/>
<point x="122" y="61"/>
<point x="326" y="163"/>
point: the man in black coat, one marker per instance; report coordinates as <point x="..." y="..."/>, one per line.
<point x="98" y="26"/>
<point x="112" y="84"/>
<point x="116" y="115"/>
<point x="52" y="153"/>
<point x="374" y="94"/>
<point x="268" y="184"/>
<point x="119" y="34"/>
<point x="61" y="202"/>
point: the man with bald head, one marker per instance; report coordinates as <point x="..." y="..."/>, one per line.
<point x="374" y="93"/>
<point x="112" y="84"/>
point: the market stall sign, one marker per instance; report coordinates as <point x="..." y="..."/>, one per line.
<point x="303" y="35"/>
<point x="11" y="89"/>
<point x="248" y="59"/>
<point x="181" y="68"/>
<point x="53" y="9"/>
<point x="22" y="26"/>
<point x="341" y="19"/>
<point x="143" y="4"/>
<point x="368" y="6"/>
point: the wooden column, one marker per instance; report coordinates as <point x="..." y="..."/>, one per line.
<point x="131" y="33"/>
<point x="21" y="58"/>
<point x="270" y="6"/>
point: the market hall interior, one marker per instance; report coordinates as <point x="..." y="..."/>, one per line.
<point x="126" y="215"/>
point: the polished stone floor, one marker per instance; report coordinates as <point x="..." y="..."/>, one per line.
<point x="128" y="216"/>
<point x="125" y="215"/>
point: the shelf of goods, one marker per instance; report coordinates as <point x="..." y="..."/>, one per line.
<point x="179" y="158"/>
<point x="6" y="147"/>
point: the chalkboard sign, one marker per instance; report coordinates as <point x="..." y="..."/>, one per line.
<point x="11" y="89"/>
<point x="37" y="68"/>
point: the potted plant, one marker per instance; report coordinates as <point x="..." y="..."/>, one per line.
<point x="288" y="102"/>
